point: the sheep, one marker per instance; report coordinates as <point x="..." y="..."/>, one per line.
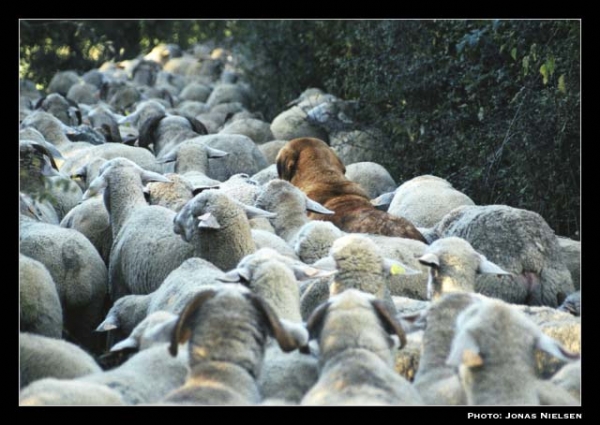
<point x="266" y="239"/>
<point x="191" y="108"/>
<point x="155" y="328"/>
<point x="571" y="253"/>
<point x="193" y="275"/>
<point x="59" y="392"/>
<point x="191" y="159"/>
<point x="569" y="378"/>
<point x="493" y="350"/>
<point x="314" y="239"/>
<point x="77" y="270"/>
<point x="83" y="93"/>
<point x="453" y="266"/>
<point x="121" y="97"/>
<point x="424" y="200"/>
<point x="195" y="91"/>
<point x="559" y="325"/>
<point x="313" y="167"/>
<point x="62" y="81"/>
<point x="45" y="357"/>
<point x="142" y="234"/>
<point x="257" y="130"/>
<point x="360" y="266"/>
<point x="101" y="118"/>
<point x="293" y="123"/>
<point x="227" y="93"/>
<point x="437" y="382"/>
<point x="64" y="109"/>
<point x="165" y="131"/>
<point x="572" y="304"/>
<point x="40" y="311"/>
<point x="92" y="220"/>
<point x="241" y="188"/>
<point x="243" y="156"/>
<point x="267" y="273"/>
<point x="144" y="73"/>
<point x="39" y="210"/>
<point x="271" y="148"/>
<point x="94" y="77"/>
<point x="54" y="132"/>
<point x="372" y="177"/>
<point x="356" y="353"/>
<point x="173" y="195"/>
<point x="217" y="228"/>
<point x="266" y="175"/>
<point x="227" y="330"/>
<point x="519" y="241"/>
<point x="289" y="204"/>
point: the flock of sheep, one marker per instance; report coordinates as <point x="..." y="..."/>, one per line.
<point x="176" y="248"/>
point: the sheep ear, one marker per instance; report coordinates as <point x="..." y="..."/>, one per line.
<point x="430" y="260"/>
<point x="182" y="330"/>
<point x="169" y="157"/>
<point x="288" y="339"/>
<point x="464" y="351"/>
<point x="555" y="348"/>
<point x="389" y="321"/>
<point x="147" y="130"/>
<point x="162" y="332"/>
<point x="286" y="163"/>
<point x="130" y="342"/>
<point x="208" y="221"/>
<point x="253" y="212"/>
<point x="49" y="151"/>
<point x="315" y="321"/>
<point x="215" y="153"/>
<point x="394" y="267"/>
<point x="487" y="267"/>
<point x="237" y="275"/>
<point x="383" y="201"/>
<point x="314" y="206"/>
<point x="111" y="322"/>
<point x="304" y="272"/>
<point x="96" y="186"/>
<point x="151" y="176"/>
<point x="197" y="126"/>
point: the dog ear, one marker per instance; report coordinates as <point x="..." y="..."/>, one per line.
<point x="287" y="162"/>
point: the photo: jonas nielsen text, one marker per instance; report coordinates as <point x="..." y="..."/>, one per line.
<point x="536" y="415"/>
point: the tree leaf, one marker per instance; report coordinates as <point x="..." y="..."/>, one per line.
<point x="561" y="84"/>
<point x="513" y="53"/>
<point x="544" y="72"/>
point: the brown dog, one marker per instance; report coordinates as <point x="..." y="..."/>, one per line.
<point x="311" y="165"/>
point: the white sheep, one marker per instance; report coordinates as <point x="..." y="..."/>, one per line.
<point x="372" y="177"/>
<point x="77" y="270"/>
<point x="43" y="357"/>
<point x="571" y="253"/>
<point x="257" y="130"/>
<point x="290" y="205"/>
<point x="519" y="241"/>
<point x="228" y="93"/>
<point x="453" y="267"/>
<point x="227" y="330"/>
<point x="60" y="392"/>
<point x="217" y="227"/>
<point x="266" y="174"/>
<point x="424" y="200"/>
<point x="145" y="249"/>
<point x="243" y="156"/>
<point x="569" y="378"/>
<point x="437" y="382"/>
<point x="40" y="311"/>
<point x="267" y="273"/>
<point x="493" y="350"/>
<point x="356" y="353"/>
<point x="193" y="275"/>
<point x="293" y="123"/>
<point x="62" y="81"/>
